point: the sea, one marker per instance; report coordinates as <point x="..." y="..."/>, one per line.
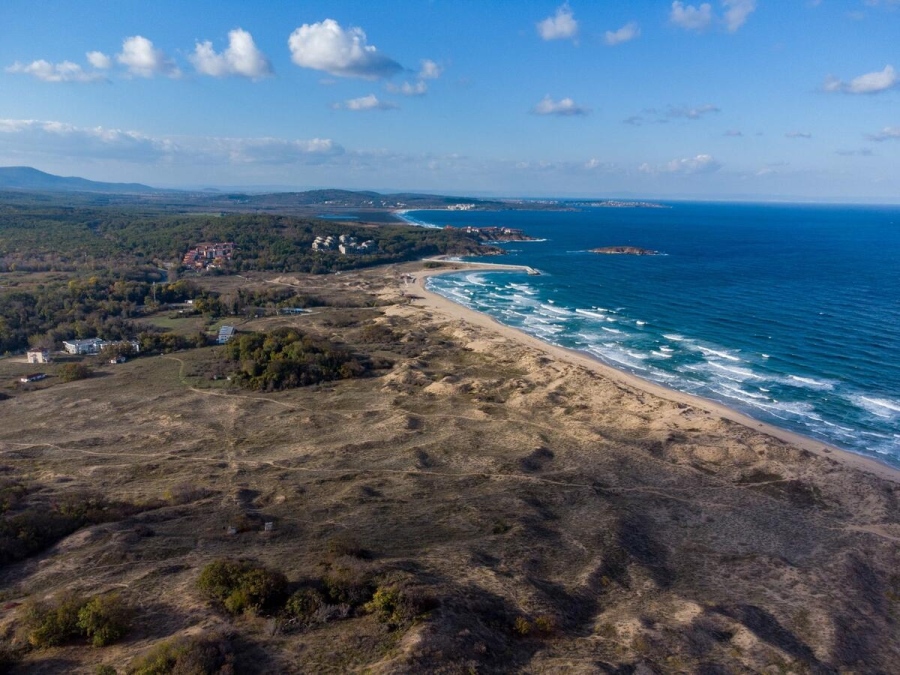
<point x="787" y="313"/>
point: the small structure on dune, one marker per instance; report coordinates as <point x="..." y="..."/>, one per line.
<point x="38" y="356"/>
<point x="226" y="333"/>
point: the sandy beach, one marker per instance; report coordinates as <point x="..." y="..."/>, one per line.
<point x="454" y="311"/>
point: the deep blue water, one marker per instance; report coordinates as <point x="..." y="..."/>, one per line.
<point x="789" y="313"/>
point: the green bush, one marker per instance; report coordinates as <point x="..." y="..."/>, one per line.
<point x="395" y="606"/>
<point x="348" y="584"/>
<point x="69" y="372"/>
<point x="104" y="619"/>
<point x="209" y="655"/>
<point x="51" y="624"/>
<point x="303" y="605"/>
<point x="243" y="587"/>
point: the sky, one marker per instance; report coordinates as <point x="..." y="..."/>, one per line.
<point x="726" y="99"/>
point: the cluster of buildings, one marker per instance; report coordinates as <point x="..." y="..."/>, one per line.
<point x="209" y="256"/>
<point x="93" y="346"/>
<point x="345" y="244"/>
<point x="460" y="207"/>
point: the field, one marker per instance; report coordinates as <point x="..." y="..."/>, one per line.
<point x="552" y="520"/>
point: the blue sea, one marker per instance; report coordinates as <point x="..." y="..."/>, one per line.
<point x="788" y="313"/>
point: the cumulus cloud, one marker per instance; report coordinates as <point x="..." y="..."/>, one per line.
<point x="736" y="13"/>
<point x="370" y="102"/>
<point x="798" y="134"/>
<point x="690" y="17"/>
<point x="688" y="165"/>
<point x="144" y="60"/>
<point x="327" y="47"/>
<point x="734" y="133"/>
<point x="700" y="17"/>
<point x="560" y="26"/>
<point x="430" y="70"/>
<point x="565" y="107"/>
<point x="99" y="60"/>
<point x="626" y="33"/>
<point x="241" y="58"/>
<point x="886" y="134"/>
<point x="65" y="71"/>
<point x="870" y="83"/>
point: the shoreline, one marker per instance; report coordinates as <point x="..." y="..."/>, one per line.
<point x="453" y="310"/>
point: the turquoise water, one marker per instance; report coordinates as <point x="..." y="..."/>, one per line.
<point x="788" y="313"/>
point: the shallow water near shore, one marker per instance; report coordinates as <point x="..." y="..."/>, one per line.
<point x="788" y="313"/>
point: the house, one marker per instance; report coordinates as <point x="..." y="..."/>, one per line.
<point x="225" y="334"/>
<point x="34" y="377"/>
<point x="81" y="347"/>
<point x="97" y="345"/>
<point x="38" y="356"/>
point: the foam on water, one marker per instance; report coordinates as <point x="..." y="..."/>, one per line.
<point x="699" y="322"/>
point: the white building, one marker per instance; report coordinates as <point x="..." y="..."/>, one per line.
<point x="38" y="356"/>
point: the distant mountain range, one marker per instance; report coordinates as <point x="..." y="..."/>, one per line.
<point x="27" y="178"/>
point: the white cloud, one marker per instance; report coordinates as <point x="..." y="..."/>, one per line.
<point x="736" y="13"/>
<point x="344" y="53"/>
<point x="370" y="102"/>
<point x="241" y="57"/>
<point x="870" y="83"/>
<point x="565" y="107"/>
<point x="99" y="60"/>
<point x="430" y="70"/>
<point x="59" y="140"/>
<point x="886" y="134"/>
<point x="408" y="88"/>
<point x="560" y="26"/>
<point x="691" y="113"/>
<point x="687" y="165"/>
<point x="66" y="71"/>
<point x="690" y="17"/>
<point x="798" y="134"/>
<point x="144" y="60"/>
<point x="734" y="133"/>
<point x="626" y="33"/>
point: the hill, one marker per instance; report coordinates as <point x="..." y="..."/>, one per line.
<point x="28" y="178"/>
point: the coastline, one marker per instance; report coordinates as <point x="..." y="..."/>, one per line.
<point x="442" y="305"/>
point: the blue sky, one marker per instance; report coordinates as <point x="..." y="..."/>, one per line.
<point x="751" y="99"/>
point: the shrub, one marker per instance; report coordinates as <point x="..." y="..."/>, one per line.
<point x="395" y="606"/>
<point x="69" y="372"/>
<point x="303" y="606"/>
<point x="187" y="656"/>
<point x="51" y="624"/>
<point x="348" y="584"/>
<point x="105" y="670"/>
<point x="104" y="619"/>
<point x="243" y="587"/>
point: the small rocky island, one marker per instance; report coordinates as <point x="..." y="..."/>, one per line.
<point x="624" y="250"/>
<point x="495" y="234"/>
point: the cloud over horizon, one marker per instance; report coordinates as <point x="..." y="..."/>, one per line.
<point x="241" y="58"/>
<point x="689" y="165"/>
<point x="327" y="47"/>
<point x="701" y="17"/>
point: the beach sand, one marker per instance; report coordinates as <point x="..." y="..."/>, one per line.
<point x="455" y="312"/>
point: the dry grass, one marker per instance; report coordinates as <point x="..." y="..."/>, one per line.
<point x="488" y="478"/>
